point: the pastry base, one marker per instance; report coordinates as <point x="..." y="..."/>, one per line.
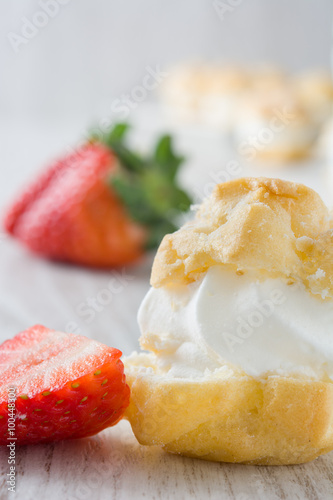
<point x="276" y="421"/>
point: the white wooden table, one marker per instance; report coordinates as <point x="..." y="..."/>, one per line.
<point x="113" y="465"/>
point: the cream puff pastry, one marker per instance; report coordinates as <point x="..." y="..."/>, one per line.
<point x="204" y="94"/>
<point x="274" y="126"/>
<point x="271" y="115"/>
<point x="238" y="325"/>
<point x="315" y="89"/>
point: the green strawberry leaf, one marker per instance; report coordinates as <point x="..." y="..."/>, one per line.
<point x="158" y="232"/>
<point x="147" y="185"/>
<point x="165" y="157"/>
<point x="129" y="160"/>
<point x="118" y="132"/>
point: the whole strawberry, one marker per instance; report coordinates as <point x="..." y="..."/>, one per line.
<point x="102" y="205"/>
<point x="56" y="386"/>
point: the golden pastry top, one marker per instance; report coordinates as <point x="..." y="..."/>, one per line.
<point x="314" y="86"/>
<point x="278" y="228"/>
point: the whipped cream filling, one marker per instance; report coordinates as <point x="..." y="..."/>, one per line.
<point x="235" y="321"/>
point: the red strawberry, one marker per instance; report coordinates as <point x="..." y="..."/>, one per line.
<point x="66" y="386"/>
<point x="70" y="214"/>
<point x="101" y="206"/>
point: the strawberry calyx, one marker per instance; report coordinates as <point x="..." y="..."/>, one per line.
<point x="147" y="185"/>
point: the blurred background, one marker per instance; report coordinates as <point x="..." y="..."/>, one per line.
<point x="163" y="66"/>
<point x="65" y="62"/>
<point x="90" y="52"/>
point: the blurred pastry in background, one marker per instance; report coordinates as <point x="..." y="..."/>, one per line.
<point x="273" y="126"/>
<point x="315" y="89"/>
<point x="204" y="94"/>
<point x="326" y="151"/>
<point x="267" y="78"/>
<point x="182" y="91"/>
<point x="212" y="95"/>
<point x="224" y="87"/>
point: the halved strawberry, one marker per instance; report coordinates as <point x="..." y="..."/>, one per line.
<point x="62" y="386"/>
<point x="102" y="205"/>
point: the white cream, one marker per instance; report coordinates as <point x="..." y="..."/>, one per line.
<point x="261" y="327"/>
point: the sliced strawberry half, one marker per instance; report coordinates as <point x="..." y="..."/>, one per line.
<point x="65" y="386"/>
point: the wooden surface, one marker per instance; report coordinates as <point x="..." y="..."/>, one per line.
<point x="113" y="465"/>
